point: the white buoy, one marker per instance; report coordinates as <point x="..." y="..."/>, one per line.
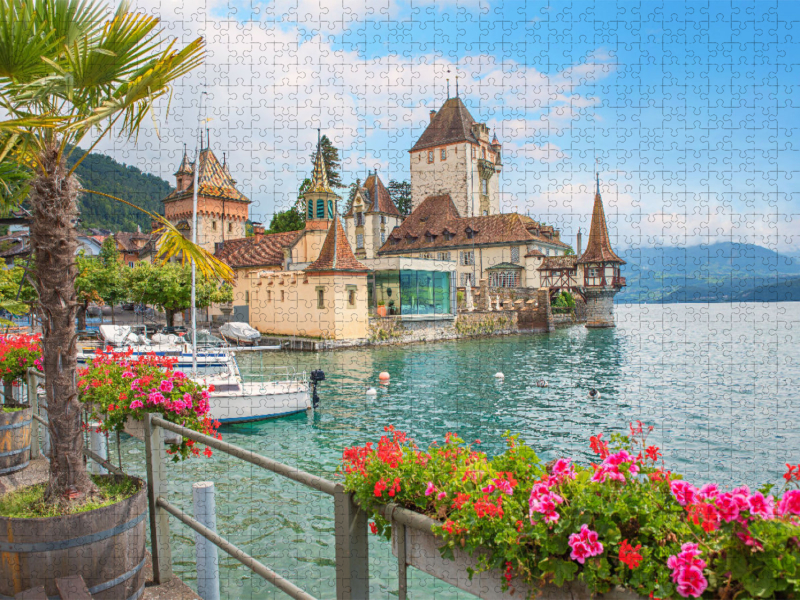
<point x="371" y="391"/>
<point x="542" y="383"/>
<point x="499" y="376"/>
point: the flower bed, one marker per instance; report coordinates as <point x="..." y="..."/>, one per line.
<point x="626" y="521"/>
<point x="118" y="388"/>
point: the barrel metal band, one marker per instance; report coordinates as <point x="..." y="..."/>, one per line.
<point x="15" y="425"/>
<point x="13" y="452"/>
<point x="14" y="468"/>
<point x="79" y="541"/>
<point x="124" y="577"/>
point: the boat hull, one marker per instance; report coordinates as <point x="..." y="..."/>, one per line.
<point x="260" y="401"/>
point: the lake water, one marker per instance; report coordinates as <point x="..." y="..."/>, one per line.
<point x="719" y="382"/>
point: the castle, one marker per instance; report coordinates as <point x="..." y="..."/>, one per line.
<point x="330" y="278"/>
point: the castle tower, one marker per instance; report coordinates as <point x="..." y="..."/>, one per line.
<point x="320" y="199"/>
<point x="601" y="270"/>
<point x="371" y="218"/>
<point x="221" y="209"/>
<point x="455" y="156"/>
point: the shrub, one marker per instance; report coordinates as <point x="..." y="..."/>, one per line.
<point x="17" y="354"/>
<point x="626" y="521"/>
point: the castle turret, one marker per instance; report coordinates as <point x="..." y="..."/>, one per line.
<point x="320" y="199"/>
<point x="601" y="269"/>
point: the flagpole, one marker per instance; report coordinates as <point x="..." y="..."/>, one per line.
<point x="194" y="238"/>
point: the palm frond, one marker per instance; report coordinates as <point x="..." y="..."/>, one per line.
<point x="172" y="244"/>
<point x="15" y="307"/>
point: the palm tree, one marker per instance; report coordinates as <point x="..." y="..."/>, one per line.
<point x="68" y="69"/>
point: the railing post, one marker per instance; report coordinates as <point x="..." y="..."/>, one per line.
<point x="98" y="443"/>
<point x="402" y="562"/>
<point x="156" y="459"/>
<point x="205" y="511"/>
<point x="352" y="547"/>
<point x="33" y="402"/>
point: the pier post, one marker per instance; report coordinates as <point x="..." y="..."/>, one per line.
<point x="352" y="547"/>
<point x="98" y="443"/>
<point x="157" y="485"/>
<point x="33" y="402"/>
<point x="205" y="511"/>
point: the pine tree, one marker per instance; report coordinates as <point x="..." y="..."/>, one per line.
<point x="400" y="193"/>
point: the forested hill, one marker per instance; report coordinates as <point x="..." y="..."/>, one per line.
<point x="100" y="173"/>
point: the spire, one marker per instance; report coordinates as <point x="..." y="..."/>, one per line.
<point x="336" y="253"/>
<point x="598" y="248"/>
<point x="319" y="178"/>
<point x="185" y="167"/>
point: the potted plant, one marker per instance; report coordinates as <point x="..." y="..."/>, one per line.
<point x="58" y="85"/>
<point x="381" y="310"/>
<point x="391" y="307"/>
<point x="626" y="522"/>
<point x="119" y="390"/>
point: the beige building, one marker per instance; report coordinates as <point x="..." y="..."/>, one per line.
<point x="222" y="209"/>
<point x="371" y="218"/>
<point x="454" y="156"/>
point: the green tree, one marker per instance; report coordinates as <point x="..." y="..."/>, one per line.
<point x="400" y="193"/>
<point x="569" y="252"/>
<point x="110" y="281"/>
<point x="333" y="164"/>
<point x="86" y="284"/>
<point x="287" y="220"/>
<point x="169" y="287"/>
<point x="71" y="68"/>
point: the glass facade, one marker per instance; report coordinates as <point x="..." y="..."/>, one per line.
<point x="409" y="292"/>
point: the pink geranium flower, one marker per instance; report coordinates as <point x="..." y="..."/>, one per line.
<point x="687" y="571"/>
<point x="431" y="489"/>
<point x="136" y="404"/>
<point x="128" y="375"/>
<point x="790" y="503"/>
<point x="543" y="501"/>
<point x="166" y="386"/>
<point x="584" y="544"/>
<point x="761" y="506"/>
<point x="684" y="492"/>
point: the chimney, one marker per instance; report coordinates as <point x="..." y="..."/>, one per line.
<point x="579" y="242"/>
<point x="258" y="231"/>
<point x="432" y="114"/>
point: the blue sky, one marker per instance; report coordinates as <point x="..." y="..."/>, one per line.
<point x="686" y="108"/>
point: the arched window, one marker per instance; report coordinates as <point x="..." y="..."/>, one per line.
<point x="320" y="208"/>
<point x="310" y="209"/>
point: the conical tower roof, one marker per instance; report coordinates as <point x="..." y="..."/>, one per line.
<point x="336" y="254"/>
<point x="213" y="180"/>
<point x="451" y="124"/>
<point x="598" y="249"/>
<point x="186" y="167"/>
<point x="319" y="179"/>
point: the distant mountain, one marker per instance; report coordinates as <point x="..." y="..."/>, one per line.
<point x="721" y="272"/>
<point x="101" y="173"/>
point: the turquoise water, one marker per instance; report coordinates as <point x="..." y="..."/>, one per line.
<point x="719" y="382"/>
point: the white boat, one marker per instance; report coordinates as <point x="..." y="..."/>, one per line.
<point x="240" y="333"/>
<point x="233" y="400"/>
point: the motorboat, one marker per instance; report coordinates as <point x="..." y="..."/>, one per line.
<point x="239" y="333"/>
<point x="285" y="392"/>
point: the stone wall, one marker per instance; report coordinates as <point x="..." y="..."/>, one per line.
<point x="600" y="307"/>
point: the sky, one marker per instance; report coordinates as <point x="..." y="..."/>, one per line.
<point x="686" y="109"/>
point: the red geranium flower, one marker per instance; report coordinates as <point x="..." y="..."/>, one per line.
<point x="629" y="555"/>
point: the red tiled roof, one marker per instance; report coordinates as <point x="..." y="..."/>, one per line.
<point x="534" y="252"/>
<point x="450" y="125"/>
<point x="336" y="254"/>
<point x="132" y="241"/>
<point x="438" y="213"/>
<point x="598" y="249"/>
<point x="558" y="262"/>
<point x="379" y="196"/>
<point x="214" y="181"/>
<point x="257" y="251"/>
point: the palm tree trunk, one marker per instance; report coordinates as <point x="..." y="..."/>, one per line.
<point x="82" y="315"/>
<point x="53" y="200"/>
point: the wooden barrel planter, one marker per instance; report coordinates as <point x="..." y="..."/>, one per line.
<point x="15" y="439"/>
<point x="105" y="546"/>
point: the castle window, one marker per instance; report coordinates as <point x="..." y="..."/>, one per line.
<point x="283" y="295"/>
<point x="515" y="254"/>
<point x="383" y="237"/>
<point x="443" y="154"/>
<point x="214" y="225"/>
<point x="247" y="297"/>
<point x="320" y="208"/>
<point x="485" y="187"/>
<point x="359" y="241"/>
<point x="310" y="209"/>
<point x="443" y="256"/>
<point x="468" y="258"/>
<point x="351" y="296"/>
<point x="230" y="227"/>
<point x="448" y="236"/>
<point x="359" y="219"/>
<point x="269" y="295"/>
<point x="466" y="279"/>
<point x="383" y="219"/>
<point x="473" y="152"/>
<point x="430" y="238"/>
<point x="484" y="153"/>
<point x="504" y="279"/>
<point x="330" y="209"/>
<point x="130" y="264"/>
<point x="430" y="156"/>
<point x="470" y="233"/>
<point x="320" y="297"/>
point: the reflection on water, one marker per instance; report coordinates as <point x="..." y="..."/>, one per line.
<point x="718" y="382"/>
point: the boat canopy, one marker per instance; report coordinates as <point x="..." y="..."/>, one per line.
<point x="239" y="331"/>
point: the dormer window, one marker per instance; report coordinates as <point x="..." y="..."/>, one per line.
<point x="448" y="236"/>
<point x="430" y="238"/>
<point x="470" y="233"/>
<point x="394" y="241"/>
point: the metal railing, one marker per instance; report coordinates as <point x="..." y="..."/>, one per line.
<point x="350" y="523"/>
